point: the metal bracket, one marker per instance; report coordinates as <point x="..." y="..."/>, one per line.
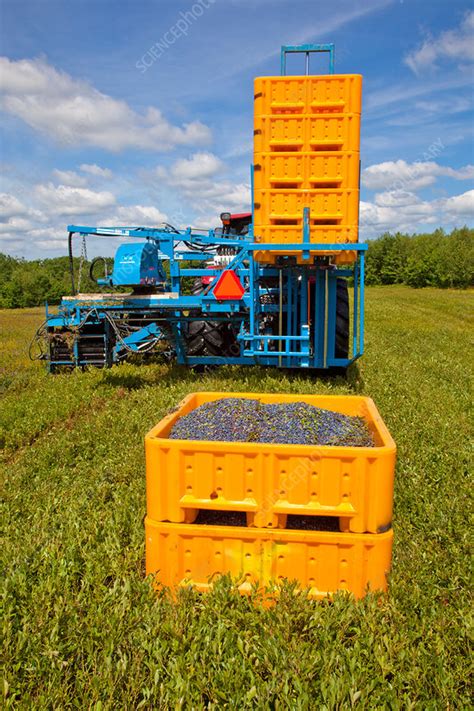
<point x="307" y="49"/>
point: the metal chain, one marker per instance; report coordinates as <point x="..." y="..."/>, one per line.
<point x="81" y="263"/>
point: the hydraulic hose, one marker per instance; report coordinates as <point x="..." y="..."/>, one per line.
<point x="91" y="268"/>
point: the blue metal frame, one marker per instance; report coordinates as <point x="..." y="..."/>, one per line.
<point x="301" y="345"/>
<point x="303" y="305"/>
<point x="307" y="49"/>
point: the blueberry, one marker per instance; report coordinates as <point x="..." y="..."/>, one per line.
<point x="247" y="420"/>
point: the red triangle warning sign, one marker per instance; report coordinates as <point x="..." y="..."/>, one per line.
<point x="228" y="286"/>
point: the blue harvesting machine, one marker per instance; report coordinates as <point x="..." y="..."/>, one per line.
<point x="242" y="293"/>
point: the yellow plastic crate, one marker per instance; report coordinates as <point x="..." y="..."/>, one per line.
<point x="329" y="206"/>
<point x="292" y="234"/>
<point x="308" y="170"/>
<point x="341" y="258"/>
<point x="296" y="132"/>
<point x="334" y="93"/>
<point x="321" y="562"/>
<point x="270" y="481"/>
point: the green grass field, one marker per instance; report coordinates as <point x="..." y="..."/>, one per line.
<point x="82" y="627"/>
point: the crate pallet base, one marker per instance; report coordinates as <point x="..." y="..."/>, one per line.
<point x="293" y="234"/>
<point x="267" y="257"/>
<point x="322" y="562"/>
<point x="265" y="518"/>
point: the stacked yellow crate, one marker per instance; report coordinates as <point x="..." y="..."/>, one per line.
<point x="306" y="154"/>
<point x="256" y="493"/>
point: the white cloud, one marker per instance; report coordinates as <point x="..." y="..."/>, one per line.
<point x="10" y="206"/>
<point x="396" y="198"/>
<point x="453" y="105"/>
<point x="455" y="44"/>
<point x="206" y="222"/>
<point x="53" y="238"/>
<point x="405" y="212"/>
<point x="96" y="170"/>
<point x="375" y="219"/>
<point x="197" y="167"/>
<point x="52" y="244"/>
<point x="33" y="242"/>
<point x="138" y="215"/>
<point x="224" y="196"/>
<point x="193" y="178"/>
<point x="70" y="177"/>
<point x="72" y="112"/>
<point x="460" y="206"/>
<point x="213" y="197"/>
<point x="67" y="200"/>
<point x="243" y="148"/>
<point x="49" y="238"/>
<point x="16" y="217"/>
<point x="15" y="225"/>
<point x="399" y="174"/>
<point x="396" y="97"/>
<point x="28" y="231"/>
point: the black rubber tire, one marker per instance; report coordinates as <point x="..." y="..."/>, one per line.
<point x="208" y="338"/>
<point x="342" y="319"/>
<point x="205" y="338"/>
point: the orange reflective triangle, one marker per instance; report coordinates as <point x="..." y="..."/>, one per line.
<point x="228" y="286"/>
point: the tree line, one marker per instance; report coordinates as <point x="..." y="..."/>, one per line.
<point x="437" y="259"/>
<point x="32" y="282"/>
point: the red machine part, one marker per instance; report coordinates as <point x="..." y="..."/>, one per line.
<point x="206" y="280"/>
<point x="233" y="224"/>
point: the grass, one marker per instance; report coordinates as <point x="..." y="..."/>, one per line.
<point x="81" y="626"/>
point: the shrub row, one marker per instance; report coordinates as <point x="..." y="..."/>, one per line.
<point x="437" y="259"/>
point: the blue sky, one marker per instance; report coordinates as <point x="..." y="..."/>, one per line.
<point x="122" y="112"/>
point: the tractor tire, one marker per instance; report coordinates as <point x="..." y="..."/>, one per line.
<point x="208" y="338"/>
<point x="205" y="338"/>
<point x="342" y="319"/>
